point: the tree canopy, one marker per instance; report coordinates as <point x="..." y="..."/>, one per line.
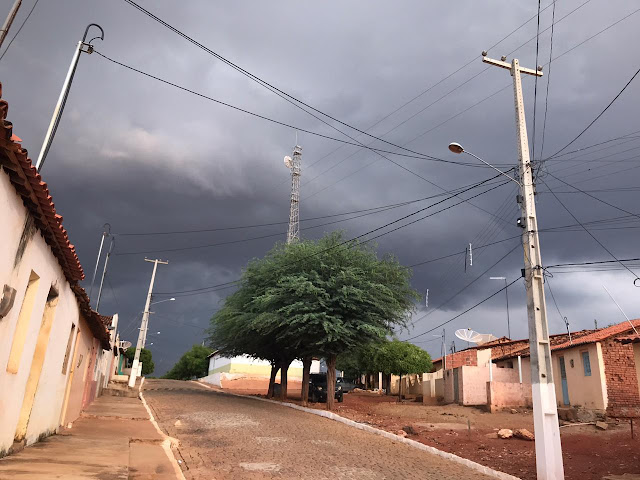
<point x="145" y="358"/>
<point x="192" y="364"/>
<point x="314" y="297"/>
<point x="389" y="357"/>
<point x="401" y="358"/>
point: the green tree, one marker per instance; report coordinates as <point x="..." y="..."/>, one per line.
<point x="145" y="357"/>
<point x="358" y="361"/>
<point x="192" y="364"/>
<point x="401" y="358"/>
<point x="320" y="298"/>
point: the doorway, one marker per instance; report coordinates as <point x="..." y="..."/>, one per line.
<point x="565" y="386"/>
<point x="36" y="364"/>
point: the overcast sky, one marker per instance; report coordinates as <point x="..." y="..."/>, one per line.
<point x="147" y="157"/>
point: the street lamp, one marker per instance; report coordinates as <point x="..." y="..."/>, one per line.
<point x="506" y="292"/>
<point x="457" y="148"/>
<point x="166" y="300"/>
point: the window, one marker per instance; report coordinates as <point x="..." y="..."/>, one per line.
<point x="22" y="325"/>
<point x="586" y="363"/>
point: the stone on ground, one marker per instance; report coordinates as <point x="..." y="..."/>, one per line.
<point x="602" y="425"/>
<point x="524" y="434"/>
<point x="505" y="433"/>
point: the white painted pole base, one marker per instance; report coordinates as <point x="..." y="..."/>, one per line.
<point x="134" y="373"/>
<point x="547" y="432"/>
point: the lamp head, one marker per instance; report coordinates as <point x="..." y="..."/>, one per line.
<point x="456" y="147"/>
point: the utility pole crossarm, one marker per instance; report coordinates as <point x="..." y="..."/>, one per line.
<point x="508" y="66"/>
<point x="154" y="261"/>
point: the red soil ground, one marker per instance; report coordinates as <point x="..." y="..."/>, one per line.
<point x="589" y="454"/>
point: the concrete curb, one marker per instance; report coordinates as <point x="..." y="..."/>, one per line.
<point x="391" y="436"/>
<point x="167" y="441"/>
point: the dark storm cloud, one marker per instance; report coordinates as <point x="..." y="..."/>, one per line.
<point x="146" y="157"/>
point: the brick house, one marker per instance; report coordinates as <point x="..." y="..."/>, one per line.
<point x="592" y="369"/>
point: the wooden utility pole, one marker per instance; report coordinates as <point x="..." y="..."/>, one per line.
<point x="545" y="412"/>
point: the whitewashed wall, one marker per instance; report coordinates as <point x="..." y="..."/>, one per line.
<point x="38" y="257"/>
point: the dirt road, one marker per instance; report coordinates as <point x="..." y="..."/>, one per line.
<point x="225" y="437"/>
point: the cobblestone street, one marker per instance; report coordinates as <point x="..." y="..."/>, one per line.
<point x="225" y="437"/>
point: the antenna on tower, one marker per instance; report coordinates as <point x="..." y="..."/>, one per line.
<point x="294" y="164"/>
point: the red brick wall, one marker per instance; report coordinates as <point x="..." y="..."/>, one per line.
<point x="622" y="380"/>
<point x="459" y="359"/>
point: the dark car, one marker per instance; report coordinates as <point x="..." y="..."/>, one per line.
<point x="345" y="384"/>
<point x="318" y="388"/>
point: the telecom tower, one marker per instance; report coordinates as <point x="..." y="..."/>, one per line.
<point x="293" y="164"/>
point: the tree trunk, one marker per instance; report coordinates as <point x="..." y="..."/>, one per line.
<point x="284" y="368"/>
<point x="272" y="379"/>
<point x="306" y="374"/>
<point x="331" y="380"/>
<point x="400" y="389"/>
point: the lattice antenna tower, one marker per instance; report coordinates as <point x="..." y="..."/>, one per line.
<point x="294" y="164"/>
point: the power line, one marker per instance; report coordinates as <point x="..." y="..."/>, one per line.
<point x="19" y="29"/>
<point x="467" y="285"/>
<point x="546" y="98"/>
<point x="374" y="230"/>
<point x="466" y="311"/>
<point x="594" y="197"/>
<point x="242" y="240"/>
<point x="284" y="95"/>
<point x="554" y="300"/>
<point x="417" y="155"/>
<point x="443" y="96"/>
<point x="601" y="113"/>
<point x="322" y="217"/>
<point x="590" y="234"/>
<point x="535" y="88"/>
<point x="555" y="157"/>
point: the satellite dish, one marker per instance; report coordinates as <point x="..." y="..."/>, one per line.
<point x="468" y="335"/>
<point x="287" y="161"/>
<point x="124" y="344"/>
<point x="484" y="338"/>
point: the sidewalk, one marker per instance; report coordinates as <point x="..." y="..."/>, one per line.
<point x="113" y="439"/>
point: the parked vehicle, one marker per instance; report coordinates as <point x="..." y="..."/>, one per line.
<point x="318" y="388"/>
<point x="345" y="384"/>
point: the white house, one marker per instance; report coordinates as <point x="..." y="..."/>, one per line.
<point x="49" y="336"/>
<point x="247" y="373"/>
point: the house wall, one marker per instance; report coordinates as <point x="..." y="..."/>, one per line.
<point x="411" y="384"/>
<point x="80" y="374"/>
<point x="585" y="391"/>
<point x="431" y="383"/>
<point x="252" y="367"/>
<point x="508" y="394"/>
<point x="621" y="379"/>
<point x="473" y="382"/>
<point x="15" y="271"/>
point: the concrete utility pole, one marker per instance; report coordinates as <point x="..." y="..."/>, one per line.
<point x="82" y="46"/>
<point x="143" y="324"/>
<point x="104" y="272"/>
<point x="294" y="164"/>
<point x="545" y="411"/>
<point x="7" y="23"/>
<point x="105" y="234"/>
